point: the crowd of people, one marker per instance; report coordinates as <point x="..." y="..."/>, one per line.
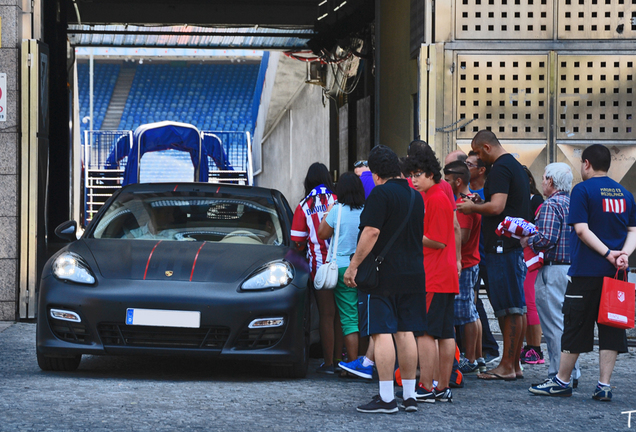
<point x="442" y="245"/>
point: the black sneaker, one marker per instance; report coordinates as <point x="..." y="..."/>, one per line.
<point x="409" y="405"/>
<point x="423" y="395"/>
<point x="377" y="405"/>
<point x="444" y="395"/>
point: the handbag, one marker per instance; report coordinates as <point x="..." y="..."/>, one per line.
<point x="367" y="277"/>
<point x="617" y="303"/>
<point x="327" y="274"/>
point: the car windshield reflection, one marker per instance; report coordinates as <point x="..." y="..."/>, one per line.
<point x="191" y="217"/>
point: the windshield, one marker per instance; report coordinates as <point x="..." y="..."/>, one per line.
<point x="191" y="217"/>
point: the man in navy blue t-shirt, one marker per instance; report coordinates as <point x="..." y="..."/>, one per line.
<point x="603" y="215"/>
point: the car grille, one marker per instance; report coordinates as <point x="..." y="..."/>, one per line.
<point x="163" y="337"/>
<point x="259" y="338"/>
<point x="70" y="331"/>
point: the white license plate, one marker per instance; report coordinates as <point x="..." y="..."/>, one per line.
<point x="163" y="318"/>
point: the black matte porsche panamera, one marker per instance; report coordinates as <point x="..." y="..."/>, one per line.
<point x="181" y="268"/>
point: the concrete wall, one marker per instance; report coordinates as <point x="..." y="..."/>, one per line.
<point x="297" y="131"/>
<point x="11" y="14"/>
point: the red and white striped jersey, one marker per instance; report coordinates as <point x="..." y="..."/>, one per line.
<point x="307" y="217"/>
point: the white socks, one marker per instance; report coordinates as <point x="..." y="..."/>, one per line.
<point x="386" y="391"/>
<point x="366" y="362"/>
<point x="408" y="388"/>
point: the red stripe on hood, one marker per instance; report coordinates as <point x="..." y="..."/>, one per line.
<point x="149" y="257"/>
<point x="195" y="261"/>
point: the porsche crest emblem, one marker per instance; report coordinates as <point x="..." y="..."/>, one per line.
<point x="169" y="273"/>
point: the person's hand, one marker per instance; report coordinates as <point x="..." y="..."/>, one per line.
<point x="466" y="206"/>
<point x="459" y="268"/>
<point x="475" y="198"/>
<point x="350" y="277"/>
<point x="524" y="241"/>
<point x="330" y="207"/>
<point x="622" y="262"/>
<point x="613" y="257"/>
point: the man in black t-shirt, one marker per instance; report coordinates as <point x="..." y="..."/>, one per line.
<point x="507" y="193"/>
<point x="400" y="308"/>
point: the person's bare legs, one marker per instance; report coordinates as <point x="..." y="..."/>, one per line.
<point x="351" y="343"/>
<point x="472" y="334"/>
<point x="533" y="335"/>
<point x="428" y="357"/>
<point x="606" y="360"/>
<point x="568" y="360"/>
<point x="446" y="355"/>
<point x="407" y="354"/>
<point x="370" y="355"/>
<point x="478" y="351"/>
<point x="338" y="336"/>
<point x="513" y="331"/>
<point x="327" y="314"/>
<point x="517" y="361"/>
<point x="384" y="356"/>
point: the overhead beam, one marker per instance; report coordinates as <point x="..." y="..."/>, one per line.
<point x="296" y="13"/>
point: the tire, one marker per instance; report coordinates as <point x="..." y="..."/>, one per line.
<point x="297" y="369"/>
<point x="58" y="364"/>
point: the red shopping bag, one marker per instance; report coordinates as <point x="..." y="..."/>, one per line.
<point x="617" y="303"/>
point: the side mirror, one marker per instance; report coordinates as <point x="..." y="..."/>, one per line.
<point x="67" y="231"/>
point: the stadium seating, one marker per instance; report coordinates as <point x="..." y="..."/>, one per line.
<point x="209" y="96"/>
<point x="104" y="79"/>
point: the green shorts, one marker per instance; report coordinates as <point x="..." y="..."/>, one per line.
<point x="347" y="302"/>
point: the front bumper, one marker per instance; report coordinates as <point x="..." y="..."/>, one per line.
<point x="225" y="316"/>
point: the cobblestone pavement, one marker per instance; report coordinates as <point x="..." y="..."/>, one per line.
<point x="167" y="393"/>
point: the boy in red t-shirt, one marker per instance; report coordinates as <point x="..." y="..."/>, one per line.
<point x="457" y="175"/>
<point x="436" y="347"/>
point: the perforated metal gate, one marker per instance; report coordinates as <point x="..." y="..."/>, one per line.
<point x="549" y="77"/>
<point x="507" y="93"/>
<point x="596" y="97"/>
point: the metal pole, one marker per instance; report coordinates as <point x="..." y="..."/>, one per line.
<point x="91" y="67"/>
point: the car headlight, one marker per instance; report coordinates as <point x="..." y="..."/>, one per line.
<point x="72" y="267"/>
<point x="276" y="274"/>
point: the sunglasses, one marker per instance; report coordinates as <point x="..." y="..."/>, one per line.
<point x="360" y="163"/>
<point x="452" y="172"/>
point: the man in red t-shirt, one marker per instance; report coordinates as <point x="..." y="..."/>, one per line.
<point x="458" y="176"/>
<point x="440" y="266"/>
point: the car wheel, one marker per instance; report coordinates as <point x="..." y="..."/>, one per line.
<point x="298" y="369"/>
<point x="58" y="364"/>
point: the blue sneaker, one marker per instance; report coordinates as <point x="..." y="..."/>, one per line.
<point x="355" y="367"/>
<point x="602" y="393"/>
<point x="551" y="387"/>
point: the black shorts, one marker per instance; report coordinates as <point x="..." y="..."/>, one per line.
<point x="397" y="313"/>
<point x="363" y="313"/>
<point x="580" y="313"/>
<point x="440" y="315"/>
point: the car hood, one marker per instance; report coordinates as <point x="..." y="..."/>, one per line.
<point x="181" y="261"/>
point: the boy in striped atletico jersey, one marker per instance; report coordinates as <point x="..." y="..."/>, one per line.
<point x="304" y="231"/>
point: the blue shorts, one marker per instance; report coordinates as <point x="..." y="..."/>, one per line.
<point x="506" y="273"/>
<point x="465" y="308"/>
<point x="397" y="313"/>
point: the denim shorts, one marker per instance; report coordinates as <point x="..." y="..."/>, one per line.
<point x="465" y="308"/>
<point x="506" y="273"/>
